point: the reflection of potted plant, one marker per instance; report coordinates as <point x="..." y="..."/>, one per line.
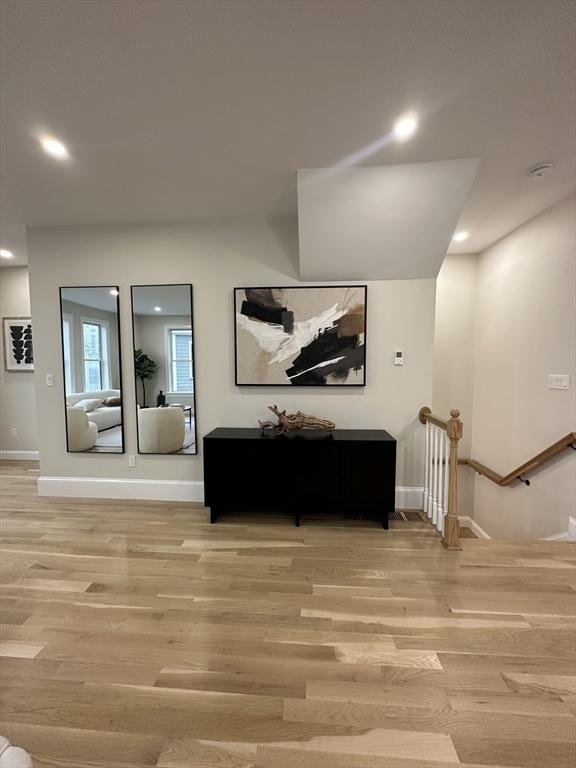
<point x="144" y="368"/>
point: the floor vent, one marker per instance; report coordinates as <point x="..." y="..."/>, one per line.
<point x="407" y="515"/>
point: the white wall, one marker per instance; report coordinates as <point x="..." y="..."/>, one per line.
<point x="454" y="355"/>
<point x="525" y="329"/>
<point x="215" y="257"/>
<point x="18" y="402"/>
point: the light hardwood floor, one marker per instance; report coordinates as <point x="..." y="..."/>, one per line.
<point x="135" y="634"/>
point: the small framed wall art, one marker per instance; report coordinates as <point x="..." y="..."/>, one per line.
<point x="18" y="348"/>
<point x="300" y="336"/>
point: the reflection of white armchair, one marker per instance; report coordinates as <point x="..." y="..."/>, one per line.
<point x="82" y="433"/>
<point x="160" y="430"/>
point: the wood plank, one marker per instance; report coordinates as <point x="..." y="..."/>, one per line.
<point x="516" y="752"/>
<point x="561" y="685"/>
<point x="20" y="650"/>
<point x="76" y="745"/>
<point x="282" y="757"/>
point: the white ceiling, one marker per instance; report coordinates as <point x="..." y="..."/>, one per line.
<point x="176" y="110"/>
<point x="380" y="223"/>
<point x="172" y="300"/>
<point x="94" y="297"/>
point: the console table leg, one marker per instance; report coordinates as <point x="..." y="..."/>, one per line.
<point x="385" y="522"/>
<point x="297" y="520"/>
<point x="213" y="515"/>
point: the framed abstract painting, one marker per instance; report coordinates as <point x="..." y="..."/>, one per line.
<point x="300" y="336"/>
<point x="18" y="348"/>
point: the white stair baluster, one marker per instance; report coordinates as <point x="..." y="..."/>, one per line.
<point x="425" y="487"/>
<point x="440" y="481"/>
<point x="446" y="478"/>
<point x="426" y="466"/>
<point x="435" y="475"/>
<point x="430" y="471"/>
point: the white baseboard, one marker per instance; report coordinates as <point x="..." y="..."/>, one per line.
<point x="468" y="522"/>
<point x="564" y="536"/>
<point x="569" y="535"/>
<point x="111" y="488"/>
<point x="408" y="497"/>
<point x="163" y="490"/>
<point x="19" y="455"/>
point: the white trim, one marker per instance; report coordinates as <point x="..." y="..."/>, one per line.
<point x="409" y="497"/>
<point x="564" y="536"/>
<point x="163" y="490"/>
<point x="19" y="455"/>
<point x="569" y="535"/>
<point x="468" y="522"/>
<point x="112" y="488"/>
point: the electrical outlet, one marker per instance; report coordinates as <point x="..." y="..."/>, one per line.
<point x="131" y="461"/>
<point x="14" y="432"/>
<point x="398" y="357"/>
<point x="558" y="381"/>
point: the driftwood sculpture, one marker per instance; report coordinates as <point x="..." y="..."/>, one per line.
<point x="292" y="421"/>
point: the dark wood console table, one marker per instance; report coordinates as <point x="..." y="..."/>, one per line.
<point x="350" y="470"/>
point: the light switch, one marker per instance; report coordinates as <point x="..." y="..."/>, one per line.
<point x="49" y="380"/>
<point x="559" y="381"/>
<point x="131" y="461"/>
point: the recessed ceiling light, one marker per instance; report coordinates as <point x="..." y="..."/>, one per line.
<point x="405" y="127"/>
<point x="54" y="148"/>
<point x="459" y="237"/>
<point x="157" y="309"/>
<point x="4" y="254"/>
<point x="113" y="292"/>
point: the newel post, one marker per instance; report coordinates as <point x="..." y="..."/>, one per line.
<point x="451" y="537"/>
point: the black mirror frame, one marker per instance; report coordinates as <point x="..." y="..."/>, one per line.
<point x="122" y="410"/>
<point x="152" y="285"/>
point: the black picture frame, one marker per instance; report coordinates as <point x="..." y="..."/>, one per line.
<point x="153" y="285"/>
<point x="119" y="337"/>
<point x="8" y="322"/>
<point x="292" y="288"/>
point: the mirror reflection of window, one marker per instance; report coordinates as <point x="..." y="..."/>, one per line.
<point x="92" y="369"/>
<point x="95" y="354"/>
<point x="67" y="345"/>
<point x="180" y="346"/>
<point x="164" y="368"/>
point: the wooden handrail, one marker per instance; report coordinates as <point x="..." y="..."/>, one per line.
<point x="436" y="456"/>
<point x="425" y="414"/>
<point x="568" y="441"/>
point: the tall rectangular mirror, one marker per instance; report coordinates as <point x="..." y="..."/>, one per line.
<point x="164" y="368"/>
<point x="92" y="369"/>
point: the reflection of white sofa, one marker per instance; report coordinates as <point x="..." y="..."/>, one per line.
<point x="160" y="430"/>
<point x="82" y="433"/>
<point x="104" y="416"/>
